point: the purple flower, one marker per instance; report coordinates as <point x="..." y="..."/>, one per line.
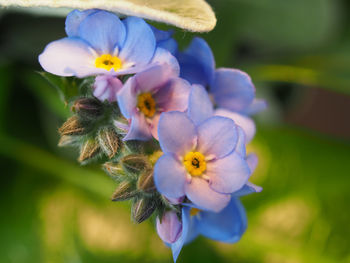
<point x="232" y="90"/>
<point x="170" y="227"/>
<point x="100" y="43"/>
<point x="106" y="87"/>
<point x="200" y="159"/>
<point x="149" y="93"/>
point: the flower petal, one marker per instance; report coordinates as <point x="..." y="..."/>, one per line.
<point x="228" y="174"/>
<point x="103" y="31"/>
<point x="127" y="98"/>
<point x="69" y="57"/>
<point x="140" y="43"/>
<point x="197" y="63"/>
<point x="74" y="19"/>
<point x="186" y="231"/>
<point x="153" y="78"/>
<point x="106" y="87"/>
<point x="169" y="228"/>
<point x="199" y="192"/>
<point x="176" y="99"/>
<point x="246" y="123"/>
<point x="170" y="176"/>
<point x="139" y="129"/>
<point x="177" y="133"/>
<point x="226" y="226"/>
<point x="241" y="143"/>
<point x="232" y="89"/>
<point x="200" y="107"/>
<point x="247" y="189"/>
<point x="252" y="161"/>
<point x="217" y="136"/>
<point x="163" y="56"/>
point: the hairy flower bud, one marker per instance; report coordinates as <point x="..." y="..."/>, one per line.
<point x="67" y="140"/>
<point x="89" y="150"/>
<point x="124" y="191"/>
<point x="89" y="108"/>
<point x="109" y="141"/>
<point x="146" y="182"/>
<point x="142" y="209"/>
<point x="135" y="163"/>
<point x="73" y="126"/>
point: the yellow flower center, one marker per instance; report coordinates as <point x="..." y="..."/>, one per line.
<point x="146" y="104"/>
<point x="195" y="163"/>
<point x="194" y="211"/>
<point x="107" y="61"/>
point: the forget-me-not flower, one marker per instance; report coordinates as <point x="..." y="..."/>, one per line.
<point x="149" y="93"/>
<point x="99" y="43"/>
<point x="232" y="90"/>
<point x="200" y="159"/>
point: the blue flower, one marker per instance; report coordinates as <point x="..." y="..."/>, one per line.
<point x="100" y="43"/>
<point x="165" y="40"/>
<point x="226" y="226"/>
<point x="200" y="159"/>
<point x="232" y="90"/>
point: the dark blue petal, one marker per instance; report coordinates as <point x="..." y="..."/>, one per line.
<point x="103" y="30"/>
<point x="226" y="226"/>
<point x="197" y="63"/>
<point x="74" y="19"/>
<point x="140" y="43"/>
<point x="232" y="89"/>
<point x="200" y="107"/>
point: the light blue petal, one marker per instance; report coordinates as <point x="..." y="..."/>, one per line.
<point x="139" y="129"/>
<point x="74" y="19"/>
<point x="177" y="246"/>
<point x="199" y="192"/>
<point x="217" y="136"/>
<point x="252" y="160"/>
<point x="177" y="133"/>
<point x="247" y="189"/>
<point x="103" y="31"/>
<point x="170" y="176"/>
<point x="197" y="63"/>
<point x="200" y="107"/>
<point x="246" y="123"/>
<point x="226" y="226"/>
<point x="127" y="98"/>
<point x="163" y="56"/>
<point x="232" y="89"/>
<point x="241" y="143"/>
<point x="140" y="43"/>
<point x="69" y="57"/>
<point x="228" y="174"/>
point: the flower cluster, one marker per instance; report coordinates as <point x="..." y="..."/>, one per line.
<point x="169" y="127"/>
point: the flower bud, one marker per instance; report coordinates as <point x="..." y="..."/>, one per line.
<point x="124" y="191"/>
<point x="89" y="108"/>
<point x="73" y="126"/>
<point x="142" y="209"/>
<point x="135" y="163"/>
<point x="88" y="150"/>
<point x="113" y="168"/>
<point x="109" y="141"/>
<point x="146" y="182"/>
<point x="169" y="228"/>
<point x="67" y="140"/>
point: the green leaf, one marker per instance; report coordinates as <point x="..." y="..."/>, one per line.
<point x="192" y="15"/>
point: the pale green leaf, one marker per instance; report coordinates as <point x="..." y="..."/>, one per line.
<point x="192" y="15"/>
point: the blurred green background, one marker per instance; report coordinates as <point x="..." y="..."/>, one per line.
<point x="298" y="54"/>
